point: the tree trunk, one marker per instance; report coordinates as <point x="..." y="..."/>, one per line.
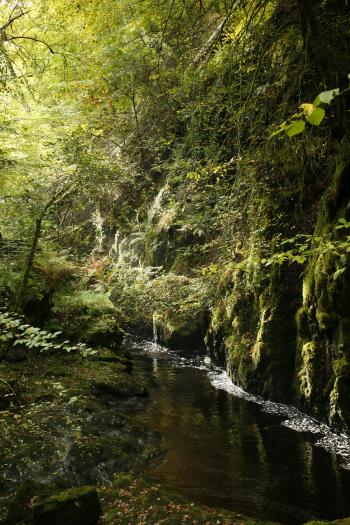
<point x="56" y="197"/>
<point x="29" y="263"/>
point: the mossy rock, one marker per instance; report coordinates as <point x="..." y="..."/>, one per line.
<point x="108" y="356"/>
<point x="316" y="522"/>
<point x="343" y="521"/>
<point x="38" y="504"/>
<point x="76" y="506"/>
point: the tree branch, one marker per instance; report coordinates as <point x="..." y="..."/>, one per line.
<point x="10" y="38"/>
<point x="13" y="19"/>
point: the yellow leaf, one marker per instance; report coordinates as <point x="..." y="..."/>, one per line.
<point x="307" y="108"/>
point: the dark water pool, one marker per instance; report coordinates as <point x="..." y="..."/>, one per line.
<point x="225" y="449"/>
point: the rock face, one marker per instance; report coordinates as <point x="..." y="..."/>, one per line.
<point x="285" y="333"/>
<point x="323" y="320"/>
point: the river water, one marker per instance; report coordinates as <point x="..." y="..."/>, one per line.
<point x="226" y="448"/>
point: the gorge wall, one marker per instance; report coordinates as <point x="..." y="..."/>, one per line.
<point x="230" y="196"/>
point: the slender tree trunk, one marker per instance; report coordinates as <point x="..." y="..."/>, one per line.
<point x="29" y="262"/>
<point x="57" y="197"/>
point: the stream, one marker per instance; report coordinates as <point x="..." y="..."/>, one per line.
<point x="226" y="448"/>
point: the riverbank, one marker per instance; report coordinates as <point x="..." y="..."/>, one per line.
<point x="64" y="424"/>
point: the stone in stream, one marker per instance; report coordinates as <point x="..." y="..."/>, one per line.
<point x="208" y="361"/>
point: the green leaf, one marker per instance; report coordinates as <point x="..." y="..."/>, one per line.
<point x="315" y="118"/>
<point x="326" y="97"/>
<point x="295" y="128"/>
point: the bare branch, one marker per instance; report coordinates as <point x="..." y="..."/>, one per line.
<point x="11" y="20"/>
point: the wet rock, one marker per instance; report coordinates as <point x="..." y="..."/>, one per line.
<point x="118" y="389"/>
<point x="109" y="443"/>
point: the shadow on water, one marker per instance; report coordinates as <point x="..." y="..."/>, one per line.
<point x="225" y="451"/>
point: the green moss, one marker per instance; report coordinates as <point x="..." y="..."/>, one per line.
<point x="343" y="521"/>
<point x="316" y="522"/>
<point x="307" y="370"/>
<point x="57" y="371"/>
<point x="65" y="496"/>
<point x="322" y="322"/>
<point x="325" y="320"/>
<point x="76" y="506"/>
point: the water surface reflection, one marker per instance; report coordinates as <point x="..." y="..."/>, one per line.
<point x="225" y="451"/>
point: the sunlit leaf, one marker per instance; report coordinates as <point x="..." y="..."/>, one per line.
<point x="326" y="97"/>
<point x="307" y="108"/>
<point x="338" y="273"/>
<point x="295" y="128"/>
<point x="315" y="118"/>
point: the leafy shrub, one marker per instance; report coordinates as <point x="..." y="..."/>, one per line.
<point x="140" y="292"/>
<point x="14" y="331"/>
<point x="86" y="315"/>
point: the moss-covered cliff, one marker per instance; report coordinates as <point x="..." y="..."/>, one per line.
<point x="229" y="195"/>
